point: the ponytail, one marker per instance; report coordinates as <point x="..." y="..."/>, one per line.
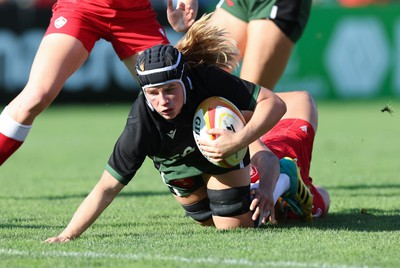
<point x="204" y="43"/>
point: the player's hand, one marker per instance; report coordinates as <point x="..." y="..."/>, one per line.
<point x="182" y="17"/>
<point x="57" y="239"/>
<point x="222" y="146"/>
<point x="262" y="207"/>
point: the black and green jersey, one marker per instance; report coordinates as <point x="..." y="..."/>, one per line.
<point x="170" y="144"/>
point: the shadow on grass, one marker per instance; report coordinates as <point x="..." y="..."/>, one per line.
<point x="363" y="220"/>
<point x="371" y="220"/>
<point x="364" y="186"/>
<point x="83" y="195"/>
<point x="26" y="226"/>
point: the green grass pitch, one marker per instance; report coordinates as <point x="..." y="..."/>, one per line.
<point x="355" y="157"/>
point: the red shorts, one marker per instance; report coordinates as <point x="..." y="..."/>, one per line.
<point x="130" y="29"/>
<point x="294" y="138"/>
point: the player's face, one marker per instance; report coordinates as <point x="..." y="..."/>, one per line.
<point x="167" y="99"/>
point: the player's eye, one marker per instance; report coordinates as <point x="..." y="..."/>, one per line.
<point x="152" y="92"/>
<point x="171" y="89"/>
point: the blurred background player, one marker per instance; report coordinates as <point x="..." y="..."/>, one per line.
<point x="75" y="26"/>
<point x="265" y="33"/>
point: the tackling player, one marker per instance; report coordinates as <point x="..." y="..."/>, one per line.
<point x="293" y="137"/>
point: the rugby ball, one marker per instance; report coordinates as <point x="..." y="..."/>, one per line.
<point x="218" y="112"/>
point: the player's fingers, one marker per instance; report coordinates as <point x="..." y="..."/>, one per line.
<point x="181" y="6"/>
<point x="169" y="6"/>
<point x="256" y="214"/>
<point x="57" y="239"/>
<point x="272" y="217"/>
<point x="204" y="142"/>
<point x="254" y="203"/>
<point x="215" y="131"/>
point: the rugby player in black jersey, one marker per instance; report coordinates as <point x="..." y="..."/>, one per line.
<point x="174" y="81"/>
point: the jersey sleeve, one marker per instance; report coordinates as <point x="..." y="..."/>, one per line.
<point x="127" y="156"/>
<point x="130" y="150"/>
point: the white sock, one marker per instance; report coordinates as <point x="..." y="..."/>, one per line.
<point x="282" y="186"/>
<point x="11" y="128"/>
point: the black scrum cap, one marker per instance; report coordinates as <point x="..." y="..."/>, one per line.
<point x="160" y="65"/>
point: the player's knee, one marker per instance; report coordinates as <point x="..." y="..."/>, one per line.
<point x="199" y="211"/>
<point x="229" y="202"/>
<point x="28" y="110"/>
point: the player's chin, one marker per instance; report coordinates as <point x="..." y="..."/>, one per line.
<point x="169" y="115"/>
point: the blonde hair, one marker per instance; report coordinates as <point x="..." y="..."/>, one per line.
<point x="204" y="43"/>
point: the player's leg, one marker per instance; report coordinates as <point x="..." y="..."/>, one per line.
<point x="197" y="206"/>
<point x="293" y="136"/>
<point x="234" y="27"/>
<point x="273" y="30"/>
<point x="130" y="64"/>
<point x="191" y="193"/>
<point x="58" y="56"/>
<point x="264" y="48"/>
<point x="267" y="53"/>
<point x="325" y="201"/>
<point x="300" y="105"/>
<point x="231" y="188"/>
<point x="298" y="196"/>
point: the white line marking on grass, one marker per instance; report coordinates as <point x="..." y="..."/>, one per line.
<point x="138" y="257"/>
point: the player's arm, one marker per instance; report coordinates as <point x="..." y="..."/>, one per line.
<point x="90" y="209"/>
<point x="268" y="111"/>
<point x="267" y="164"/>
<point x="183" y="16"/>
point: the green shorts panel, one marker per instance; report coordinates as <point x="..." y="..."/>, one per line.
<point x="290" y="16"/>
<point x="247" y="10"/>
